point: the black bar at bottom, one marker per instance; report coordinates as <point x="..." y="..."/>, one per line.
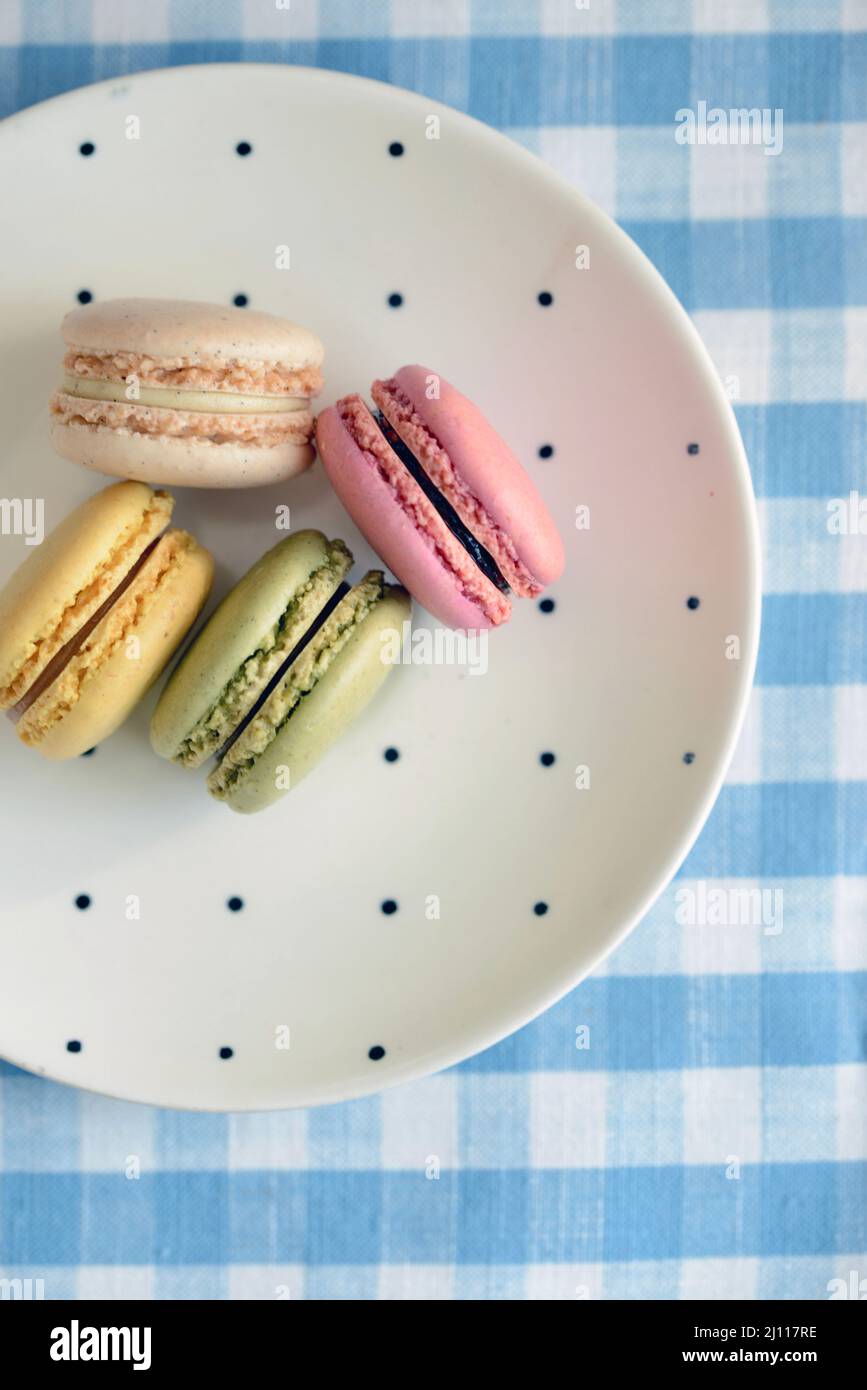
<point x="154" y="1338"/>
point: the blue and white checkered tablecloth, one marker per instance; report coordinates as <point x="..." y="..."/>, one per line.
<point x="723" y="1154"/>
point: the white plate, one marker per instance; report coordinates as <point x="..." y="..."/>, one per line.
<point x="622" y="677"/>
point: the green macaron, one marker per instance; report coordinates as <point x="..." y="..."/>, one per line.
<point x="280" y="670"/>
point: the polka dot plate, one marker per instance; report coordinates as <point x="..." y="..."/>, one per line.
<point x="503" y="813"/>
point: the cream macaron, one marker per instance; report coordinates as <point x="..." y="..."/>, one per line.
<point x="91" y="617"/>
<point x="186" y="393"/>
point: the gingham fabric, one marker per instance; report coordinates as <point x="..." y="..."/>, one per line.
<point x="713" y="1142"/>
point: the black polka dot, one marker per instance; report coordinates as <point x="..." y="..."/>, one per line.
<point x="73" y="1045"/>
<point x="376" y="1053"/>
<point x="395" y="300"/>
<point x="693" y="602"/>
<point x="240" y="301"/>
<point x="389" y="906"/>
<point x="547" y="605"/>
<point x="547" y="759"/>
<point x="540" y="909"/>
<point x="546" y="298"/>
<point x="84" y="296"/>
<point x="235" y="904"/>
<point x="391" y="755"/>
<point x="226" y="1053"/>
<point x="88" y="752"/>
<point x="395" y="149"/>
<point x="689" y="758"/>
<point x="87" y="148"/>
<point x="243" y="148"/>
<point x="82" y="902"/>
<point x="692" y="448"/>
<point x="546" y="451"/>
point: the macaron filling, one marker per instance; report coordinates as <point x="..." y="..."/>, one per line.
<point x="129" y="606"/>
<point x="177" y="398"/>
<point x="444" y="473"/>
<point x="104" y="584"/>
<point x="276" y="649"/>
<point x="58" y="663"/>
<point x="203" y="398"/>
<point x="163" y="422"/>
<point x="493" y="604"/>
<point x="483" y="558"/>
<point x="297" y="679"/>
<point x="318" y="622"/>
<point x="241" y="376"/>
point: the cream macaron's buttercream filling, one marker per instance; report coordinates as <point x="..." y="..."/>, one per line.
<point x="164" y="423"/>
<point x="208" y="400"/>
<point x="177" y="398"/>
<point x="241" y="376"/>
<point x="299" y="679"/>
<point x="238" y="697"/>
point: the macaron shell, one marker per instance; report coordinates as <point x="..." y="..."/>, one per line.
<point x="489" y="468"/>
<point x="111" y="692"/>
<point x="120" y="520"/>
<point x="336" y="700"/>
<point x="389" y="530"/>
<point x="180" y="462"/>
<point x="190" y="329"/>
<point x="234" y="632"/>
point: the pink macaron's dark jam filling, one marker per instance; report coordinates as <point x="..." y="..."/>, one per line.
<point x="474" y="548"/>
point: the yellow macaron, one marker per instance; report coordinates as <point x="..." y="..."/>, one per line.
<point x="90" y="619"/>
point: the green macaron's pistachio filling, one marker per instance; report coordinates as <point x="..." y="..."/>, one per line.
<point x="299" y="680"/>
<point x="240" y="693"/>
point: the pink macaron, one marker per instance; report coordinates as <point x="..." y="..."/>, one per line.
<point x="441" y="498"/>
